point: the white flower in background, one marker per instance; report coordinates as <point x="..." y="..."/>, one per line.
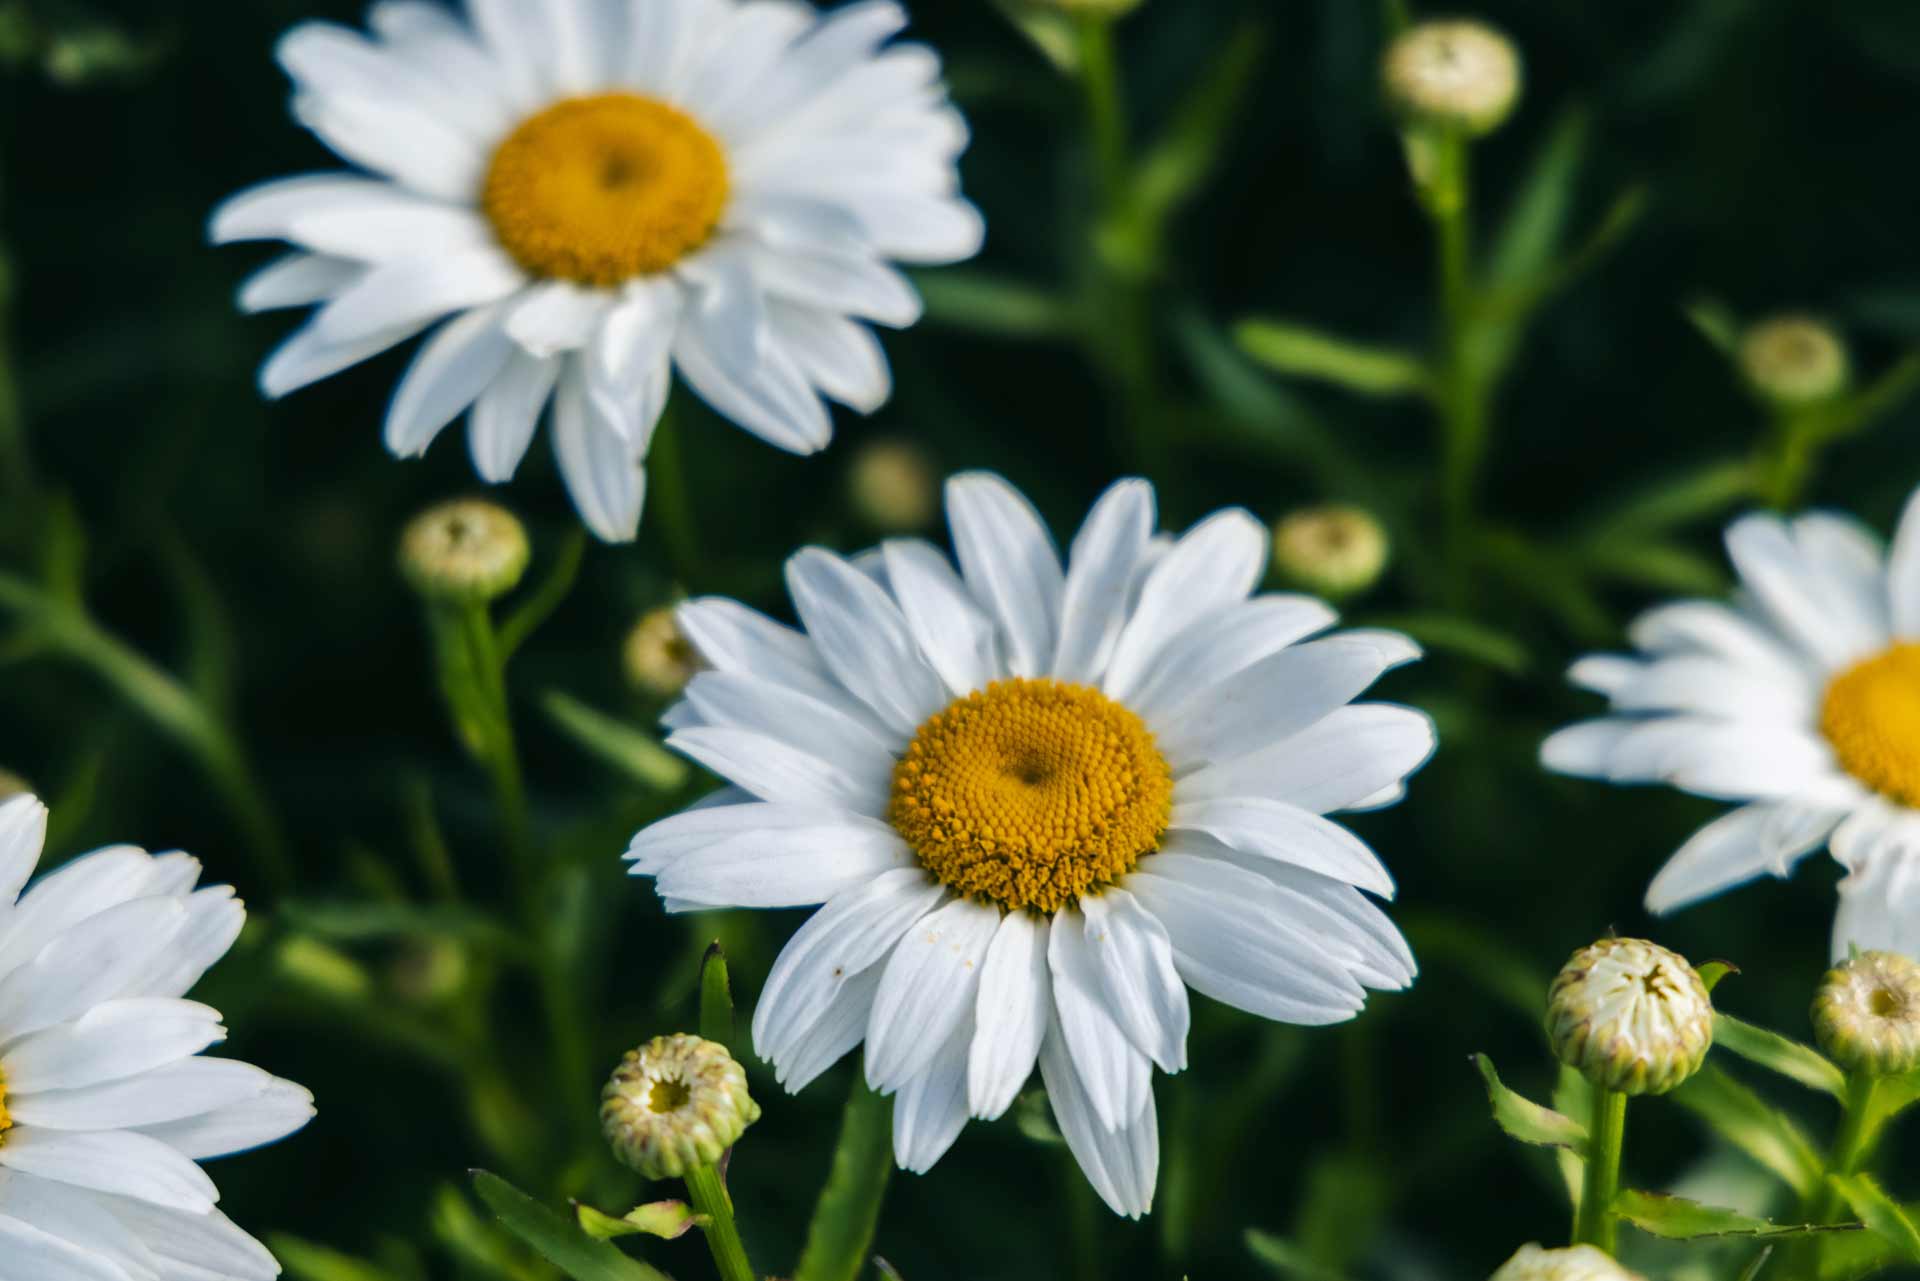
<point x="1039" y="804"/>
<point x="105" y="1105"/>
<point x="584" y="195"/>
<point x="1800" y="700"/>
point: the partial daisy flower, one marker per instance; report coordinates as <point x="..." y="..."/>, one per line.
<point x="579" y="197"/>
<point x="1799" y="700"/>
<point x="105" y="1102"/>
<point x="1039" y="802"/>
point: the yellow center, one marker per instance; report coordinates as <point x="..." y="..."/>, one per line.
<point x="668" y="1096"/>
<point x="601" y="189"/>
<point x="1872" y="717"/>
<point x="6" y="1119"/>
<point x="1031" y="793"/>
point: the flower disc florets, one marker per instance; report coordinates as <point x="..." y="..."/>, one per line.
<point x="675" y="1104"/>
<point x="1631" y="1016"/>
<point x="1866" y="1015"/>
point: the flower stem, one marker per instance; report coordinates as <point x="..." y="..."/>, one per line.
<point x="1850" y="1143"/>
<point x="1463" y="409"/>
<point x="1606" y="1132"/>
<point x="840" y="1237"/>
<point x="708" y="1192"/>
<point x="668" y="494"/>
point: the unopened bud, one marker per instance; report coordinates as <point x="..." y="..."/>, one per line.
<point x="658" y="657"/>
<point x="1867" y="1014"/>
<point x="1575" y="1263"/>
<point x="1631" y="1016"/>
<point x="468" y="550"/>
<point x="1453" y="73"/>
<point x="675" y="1104"/>
<point x="893" y="486"/>
<point x="1795" y="360"/>
<point x="1330" y="551"/>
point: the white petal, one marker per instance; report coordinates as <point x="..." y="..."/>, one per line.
<point x="1009" y="562"/>
<point x="196" y="1241"/>
<point x="392" y="226"/>
<point x="1122" y="1164"/>
<point x="956" y="637"/>
<point x="1586" y="748"/>
<point x="417" y="291"/>
<point x="733" y="638"/>
<point x="405" y="143"/>
<point x="1347" y="924"/>
<point x="773" y="771"/>
<point x="1214" y="566"/>
<point x="1880" y="897"/>
<point x="1011" y="1014"/>
<point x="597" y="460"/>
<point x="827" y="728"/>
<point x="507" y="413"/>
<point x="1101" y="567"/>
<point x="1117" y="1075"/>
<point x="23" y="831"/>
<point x="78" y="1219"/>
<point x="1279" y="830"/>
<point x="1338" y="762"/>
<point x="930" y="1110"/>
<point x="839" y="356"/>
<point x="857" y="285"/>
<point x="268" y="211"/>
<point x="172" y="1093"/>
<point x="1821" y="617"/>
<point x="113" y="1040"/>
<point x="797" y="867"/>
<point x="1199" y="658"/>
<point x="1729" y="851"/>
<point x="267" y="1117"/>
<point x="73" y="892"/>
<point x="1903" y="571"/>
<point x="863" y="639"/>
<point x="556" y="316"/>
<point x="93" y="961"/>
<point x="298" y="280"/>
<point x="660" y="845"/>
<point x="214" y="920"/>
<point x="1710" y="627"/>
<point x="1721" y="759"/>
<point x="30" y="1253"/>
<point x="1274" y="699"/>
<point x="308" y="355"/>
<point x="117" y="1161"/>
<point x="927" y="991"/>
<point x="1710" y="686"/>
<point x="1129" y="949"/>
<point x="724" y="352"/>
<point x="448" y="374"/>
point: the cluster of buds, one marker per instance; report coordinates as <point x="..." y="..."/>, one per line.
<point x="675" y="1105"/>
<point x="1575" y="1263"/>
<point x="1630" y="1016"/>
<point x="1866" y="1015"/>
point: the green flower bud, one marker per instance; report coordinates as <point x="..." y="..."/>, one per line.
<point x="675" y="1104"/>
<point x="1453" y="74"/>
<point x="658" y="657"/>
<point x="1795" y="360"/>
<point x="1631" y="1016"/>
<point x="893" y="486"/>
<point x="469" y="550"/>
<point x="1575" y="1263"/>
<point x="1866" y="1015"/>
<point x="1330" y="551"/>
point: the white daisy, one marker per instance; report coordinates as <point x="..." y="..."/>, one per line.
<point x="105" y="1105"/>
<point x="1038" y="805"/>
<point x="1800" y="700"/>
<point x="584" y="195"/>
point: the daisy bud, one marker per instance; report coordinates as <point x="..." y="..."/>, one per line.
<point x="1330" y="551"/>
<point x="893" y="486"/>
<point x="676" y="1104"/>
<point x="1575" y="1263"/>
<point x="467" y="551"/>
<point x="1794" y="360"/>
<point x="1866" y="1015"/>
<point x="658" y="657"/>
<point x="1631" y="1016"/>
<point x="1455" y="74"/>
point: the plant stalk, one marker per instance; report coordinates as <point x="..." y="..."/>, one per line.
<point x="1596" y="1224"/>
<point x="708" y="1192"/>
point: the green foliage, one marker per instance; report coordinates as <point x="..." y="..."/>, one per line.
<point x="1305" y="352"/>
<point x="1884" y="1216"/>
<point x="1745" y="1120"/>
<point x="848" y="1212"/>
<point x="1770" y="1050"/>
<point x="1526" y="1120"/>
<point x="555" y="1238"/>
<point x="1680" y="1219"/>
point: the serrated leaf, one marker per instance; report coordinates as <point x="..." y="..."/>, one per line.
<point x="559" y="1241"/>
<point x="1302" y="351"/>
<point x="1525" y="1120"/>
<point x="1777" y="1053"/>
<point x="1882" y="1215"/>
<point x="1745" y="1120"/>
<point x="1713" y="971"/>
<point x="668" y="1220"/>
<point x="1678" y="1219"/>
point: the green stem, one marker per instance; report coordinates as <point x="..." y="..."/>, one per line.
<point x="1463" y="410"/>
<point x="1787" y="459"/>
<point x="672" y="503"/>
<point x="1849" y="1146"/>
<point x="709" y="1196"/>
<point x="168" y="704"/>
<point x="840" y="1237"/>
<point x="1596" y="1224"/>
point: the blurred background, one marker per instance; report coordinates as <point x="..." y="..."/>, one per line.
<point x="1719" y="158"/>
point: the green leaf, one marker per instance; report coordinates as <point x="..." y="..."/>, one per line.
<point x="1776" y="1053"/>
<point x="1572" y="1096"/>
<point x="1034" y="1119"/>
<point x="1050" y="31"/>
<point x="1696" y="494"/>
<point x="668" y="1220"/>
<point x="1741" y="1117"/>
<point x="844" y="1219"/>
<point x="633" y="752"/>
<point x="716" y="997"/>
<point x="1302" y="351"/>
<point x="1880" y="1212"/>
<point x="1679" y="1219"/>
<point x="362" y="922"/>
<point x="1530" y="237"/>
<point x="1713" y="971"/>
<point x="1286" y="1259"/>
<point x="541" y="603"/>
<point x="1462" y="637"/>
<point x="306" y="1261"/>
<point x="1717" y="322"/>
<point x="1178" y="162"/>
<point x="977" y="302"/>
<point x="559" y="1241"/>
<point x="1525" y="1120"/>
<point x="1661" y="567"/>
<point x="1891" y="1096"/>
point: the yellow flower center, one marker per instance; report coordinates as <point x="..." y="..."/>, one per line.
<point x="1031" y="793"/>
<point x="1871" y="715"/>
<point x="668" y="1095"/>
<point x="601" y="189"/>
<point x="6" y="1119"/>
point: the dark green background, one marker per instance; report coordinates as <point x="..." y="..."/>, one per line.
<point x="1776" y="140"/>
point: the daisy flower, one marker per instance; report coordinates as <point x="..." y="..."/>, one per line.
<point x="1799" y="701"/>
<point x="1039" y="803"/>
<point x="105" y="1105"/>
<point x="578" y="197"/>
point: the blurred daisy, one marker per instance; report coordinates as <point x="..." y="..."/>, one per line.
<point x="583" y="195"/>
<point x="1800" y="700"/>
<point x="105" y="1105"/>
<point x="1039" y="803"/>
